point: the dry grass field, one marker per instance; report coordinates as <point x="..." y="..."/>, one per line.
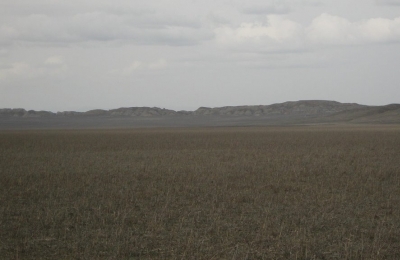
<point x="217" y="193"/>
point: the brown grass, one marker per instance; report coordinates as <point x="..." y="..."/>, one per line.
<point x="222" y="193"/>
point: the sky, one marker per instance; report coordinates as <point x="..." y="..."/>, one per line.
<point x="79" y="55"/>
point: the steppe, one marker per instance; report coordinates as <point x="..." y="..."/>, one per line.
<point x="272" y="192"/>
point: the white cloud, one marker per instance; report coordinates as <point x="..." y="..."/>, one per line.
<point x="276" y="33"/>
<point x="267" y="9"/>
<point x="387" y="2"/>
<point x="381" y="30"/>
<point x="55" y="65"/>
<point x="4" y="52"/>
<point x="311" y="2"/>
<point x="54" y="60"/>
<point x="149" y="29"/>
<point x="264" y="7"/>
<point x="7" y="33"/>
<point x="159" y="64"/>
<point x="127" y="25"/>
<point x="140" y="66"/>
<point x="52" y="66"/>
<point x="15" y="69"/>
<point x="280" y="33"/>
<point x="329" y="29"/>
<point x="131" y="68"/>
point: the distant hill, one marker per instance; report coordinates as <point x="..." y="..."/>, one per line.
<point x="369" y="114"/>
<point x="291" y="112"/>
<point x="304" y="107"/>
<point x="307" y="107"/>
<point x="129" y="111"/>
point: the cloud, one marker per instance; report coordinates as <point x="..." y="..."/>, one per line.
<point x="388" y="2"/>
<point x="277" y="6"/>
<point x="7" y="33"/>
<point x="54" y="60"/>
<point x="276" y="33"/>
<point x="267" y="9"/>
<point x="140" y="66"/>
<point x="131" y="68"/>
<point x="52" y="66"/>
<point x="15" y="69"/>
<point x="329" y="29"/>
<point x="159" y="64"/>
<point x="311" y="2"/>
<point x="147" y="29"/>
<point x="3" y="52"/>
<point x="72" y="7"/>
<point x="55" y="65"/>
<point x="280" y="33"/>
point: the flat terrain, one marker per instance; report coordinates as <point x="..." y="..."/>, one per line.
<point x="201" y="193"/>
<point x="18" y="123"/>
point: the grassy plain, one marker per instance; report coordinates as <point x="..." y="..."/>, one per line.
<point x="217" y="193"/>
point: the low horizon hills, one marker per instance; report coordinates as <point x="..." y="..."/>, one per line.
<point x="290" y="112"/>
<point x="325" y="105"/>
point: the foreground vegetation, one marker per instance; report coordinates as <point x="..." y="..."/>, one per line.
<point x="221" y="193"/>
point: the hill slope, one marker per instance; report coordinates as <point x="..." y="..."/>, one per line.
<point x="303" y="107"/>
<point x="306" y="107"/>
<point x="288" y="113"/>
<point x="369" y="114"/>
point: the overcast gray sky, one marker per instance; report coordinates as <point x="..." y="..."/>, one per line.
<point x="181" y="54"/>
